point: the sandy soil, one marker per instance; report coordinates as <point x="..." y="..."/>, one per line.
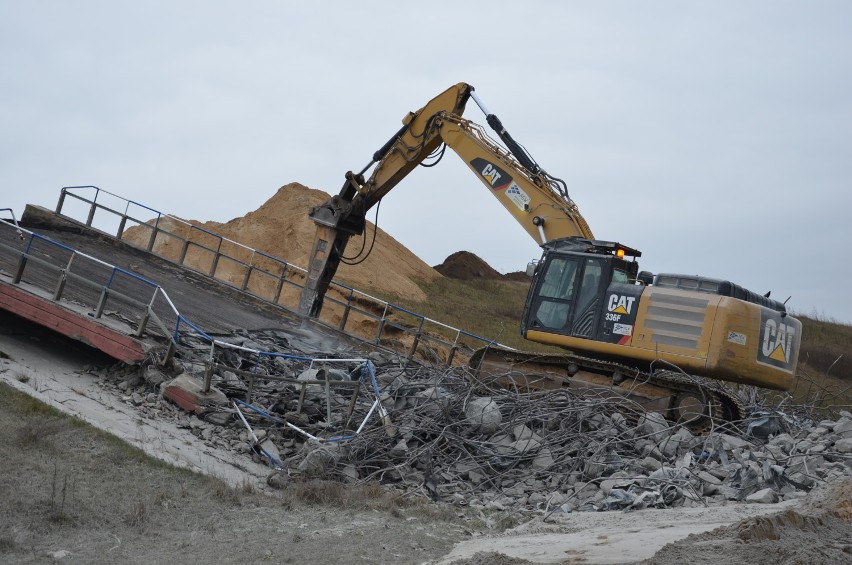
<point x="59" y="379"/>
<point x="608" y="537"/>
<point x="281" y="228"/>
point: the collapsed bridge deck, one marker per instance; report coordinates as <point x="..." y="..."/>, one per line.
<point x="123" y="300"/>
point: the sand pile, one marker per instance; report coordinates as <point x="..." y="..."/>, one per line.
<point x="281" y="228"/>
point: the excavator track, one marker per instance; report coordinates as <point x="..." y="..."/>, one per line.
<point x="696" y="402"/>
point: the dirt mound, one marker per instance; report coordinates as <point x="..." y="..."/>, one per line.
<point x="517" y="276"/>
<point x="466" y="266"/>
<point x="281" y="228"/>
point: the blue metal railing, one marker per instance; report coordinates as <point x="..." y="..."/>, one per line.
<point x="424" y="329"/>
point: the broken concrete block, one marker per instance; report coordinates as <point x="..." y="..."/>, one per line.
<point x="154" y="376"/>
<point x="278" y="480"/>
<point x="313" y="375"/>
<point x="844" y="427"/>
<point x="400" y="450"/>
<point x="544" y="459"/>
<point x="483" y="414"/>
<point x="536" y="499"/>
<point x="320" y="460"/>
<point x="130" y="382"/>
<point x="597" y="421"/>
<point x="268" y="450"/>
<point x="730" y="442"/>
<point x="527" y="446"/>
<point x="592" y="468"/>
<point x="709" y="488"/>
<point x="613" y="462"/>
<point x="607" y="485"/>
<point x="522" y="431"/>
<point x="650" y="464"/>
<point x="843" y="445"/>
<point x="586" y="491"/>
<point x="783" y="441"/>
<point x="350" y="473"/>
<point x="827" y="424"/>
<point x="803" y="446"/>
<point x="685" y="462"/>
<point x="677" y="443"/>
<point x="720" y="472"/>
<point x="807" y="464"/>
<point x="775" y="452"/>
<point x="230" y="378"/>
<point x="651" y="450"/>
<point x="763" y="496"/>
<point x="431" y="401"/>
<point x="187" y="393"/>
<point x="654" y="426"/>
<point x="665" y="474"/>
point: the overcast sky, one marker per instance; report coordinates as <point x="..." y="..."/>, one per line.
<point x="715" y="137"/>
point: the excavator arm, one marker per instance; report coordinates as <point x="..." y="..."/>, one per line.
<point x="539" y="202"/>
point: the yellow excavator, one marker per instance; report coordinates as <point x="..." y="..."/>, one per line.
<point x="660" y="341"/>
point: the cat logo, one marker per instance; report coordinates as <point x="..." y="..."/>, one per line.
<point x="779" y="340"/>
<point x="620" y="304"/>
<point x="496" y="177"/>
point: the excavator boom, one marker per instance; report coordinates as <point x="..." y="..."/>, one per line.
<point x="538" y="202"/>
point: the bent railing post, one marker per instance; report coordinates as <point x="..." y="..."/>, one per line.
<point x="345" y="317"/>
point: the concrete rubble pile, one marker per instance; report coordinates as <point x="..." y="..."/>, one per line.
<point x="454" y="439"/>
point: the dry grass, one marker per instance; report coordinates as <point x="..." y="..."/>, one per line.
<point x="339" y="495"/>
<point x="826" y="348"/>
<point x="67" y="486"/>
<point x="69" y="477"/>
<point x="487" y="308"/>
<point x="371" y="496"/>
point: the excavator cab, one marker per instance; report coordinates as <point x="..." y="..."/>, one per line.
<point x="572" y="286"/>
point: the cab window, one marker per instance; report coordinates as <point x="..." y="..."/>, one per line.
<point x="620" y="276"/>
<point x="591" y="282"/>
<point x="556" y="293"/>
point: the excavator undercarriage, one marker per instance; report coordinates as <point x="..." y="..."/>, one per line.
<point x="696" y="402"/>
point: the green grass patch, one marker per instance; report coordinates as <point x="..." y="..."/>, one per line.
<point x="487" y="308"/>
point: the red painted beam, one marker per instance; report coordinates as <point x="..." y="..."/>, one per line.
<point x="67" y="322"/>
